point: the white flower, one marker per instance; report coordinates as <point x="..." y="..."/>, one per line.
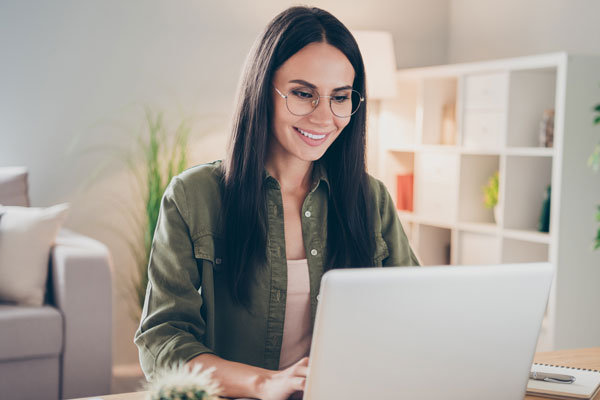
<point x="180" y="381"/>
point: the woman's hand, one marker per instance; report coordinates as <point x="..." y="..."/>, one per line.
<point x="242" y="380"/>
<point x="280" y="385"/>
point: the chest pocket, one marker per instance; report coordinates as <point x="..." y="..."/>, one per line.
<point x="381" y="250"/>
<point x="209" y="248"/>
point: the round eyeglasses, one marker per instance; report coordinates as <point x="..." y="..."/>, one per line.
<point x="304" y="100"/>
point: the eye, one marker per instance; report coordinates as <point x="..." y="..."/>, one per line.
<point x="303" y="93"/>
<point x="340" y="98"/>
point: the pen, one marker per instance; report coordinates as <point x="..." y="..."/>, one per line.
<point x="547" y="377"/>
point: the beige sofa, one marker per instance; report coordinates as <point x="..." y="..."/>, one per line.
<point x="63" y="348"/>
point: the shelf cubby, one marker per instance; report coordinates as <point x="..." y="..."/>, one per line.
<point x="439" y="111"/>
<point x="518" y="251"/>
<point x="475" y="171"/>
<point x="530" y="93"/>
<point x="526" y="181"/>
<point x="411" y="229"/>
<point x="400" y="115"/>
<point x="434" y="245"/>
<point x="436" y="185"/>
<point x="476" y="248"/>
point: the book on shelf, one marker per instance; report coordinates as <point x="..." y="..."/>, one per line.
<point x="404" y="198"/>
<point x="586" y="385"/>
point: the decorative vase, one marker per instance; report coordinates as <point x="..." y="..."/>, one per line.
<point x="497" y="214"/>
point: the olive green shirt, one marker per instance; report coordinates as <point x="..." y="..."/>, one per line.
<point x="188" y="310"/>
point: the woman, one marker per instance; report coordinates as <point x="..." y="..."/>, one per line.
<point x="241" y="246"/>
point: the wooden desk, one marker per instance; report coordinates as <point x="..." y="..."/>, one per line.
<point x="580" y="358"/>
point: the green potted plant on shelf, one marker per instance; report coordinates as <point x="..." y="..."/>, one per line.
<point x="594" y="164"/>
<point x="490" y="195"/>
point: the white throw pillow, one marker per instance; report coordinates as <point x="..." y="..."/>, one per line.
<point x="26" y="236"/>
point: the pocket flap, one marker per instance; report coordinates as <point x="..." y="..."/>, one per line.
<point x="206" y="248"/>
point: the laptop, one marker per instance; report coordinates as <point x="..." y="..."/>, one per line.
<point x="448" y="332"/>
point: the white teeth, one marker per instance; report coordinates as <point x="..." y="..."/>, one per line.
<point x="310" y="135"/>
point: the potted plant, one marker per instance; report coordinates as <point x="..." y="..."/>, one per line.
<point x="181" y="382"/>
<point x="490" y="195"/>
<point x="159" y="156"/>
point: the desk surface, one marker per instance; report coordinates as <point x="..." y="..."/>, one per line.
<point x="579" y="358"/>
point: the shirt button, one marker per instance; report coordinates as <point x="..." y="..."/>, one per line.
<point x="307" y="214"/>
<point x="217" y="261"/>
<point x="314" y="252"/>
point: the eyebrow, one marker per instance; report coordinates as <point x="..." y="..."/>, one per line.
<point x="310" y="85"/>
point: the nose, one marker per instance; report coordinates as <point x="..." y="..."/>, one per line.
<point x="322" y="115"/>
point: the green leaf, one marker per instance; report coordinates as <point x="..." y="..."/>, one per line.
<point x="490" y="191"/>
<point x="597" y="120"/>
<point x="597" y="108"/>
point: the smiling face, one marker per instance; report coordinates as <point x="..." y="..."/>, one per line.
<point x="306" y="138"/>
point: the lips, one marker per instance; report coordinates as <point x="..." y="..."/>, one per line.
<point x="311" y="135"/>
<point x="312" y="138"/>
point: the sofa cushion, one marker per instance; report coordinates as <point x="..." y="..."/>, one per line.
<point x="26" y="236"/>
<point x="13" y="186"/>
<point x="30" y="332"/>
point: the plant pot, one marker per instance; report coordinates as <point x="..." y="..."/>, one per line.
<point x="497" y="214"/>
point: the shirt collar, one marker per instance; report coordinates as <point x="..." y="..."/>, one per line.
<point x="319" y="175"/>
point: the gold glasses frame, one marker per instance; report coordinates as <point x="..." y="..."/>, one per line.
<point x="315" y="102"/>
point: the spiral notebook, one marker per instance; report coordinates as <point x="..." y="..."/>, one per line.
<point x="586" y="385"/>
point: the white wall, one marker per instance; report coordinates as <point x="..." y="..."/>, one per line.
<point x="485" y="29"/>
<point x="73" y="75"/>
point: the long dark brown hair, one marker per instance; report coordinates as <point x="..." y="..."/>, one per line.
<point x="349" y="231"/>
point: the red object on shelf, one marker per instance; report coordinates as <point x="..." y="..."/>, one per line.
<point x="404" y="198"/>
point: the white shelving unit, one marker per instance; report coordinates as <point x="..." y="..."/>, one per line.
<point x="496" y="108"/>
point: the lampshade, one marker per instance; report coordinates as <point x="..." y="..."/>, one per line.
<point x="377" y="48"/>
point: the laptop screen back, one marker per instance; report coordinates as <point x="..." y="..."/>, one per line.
<point x="427" y="333"/>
